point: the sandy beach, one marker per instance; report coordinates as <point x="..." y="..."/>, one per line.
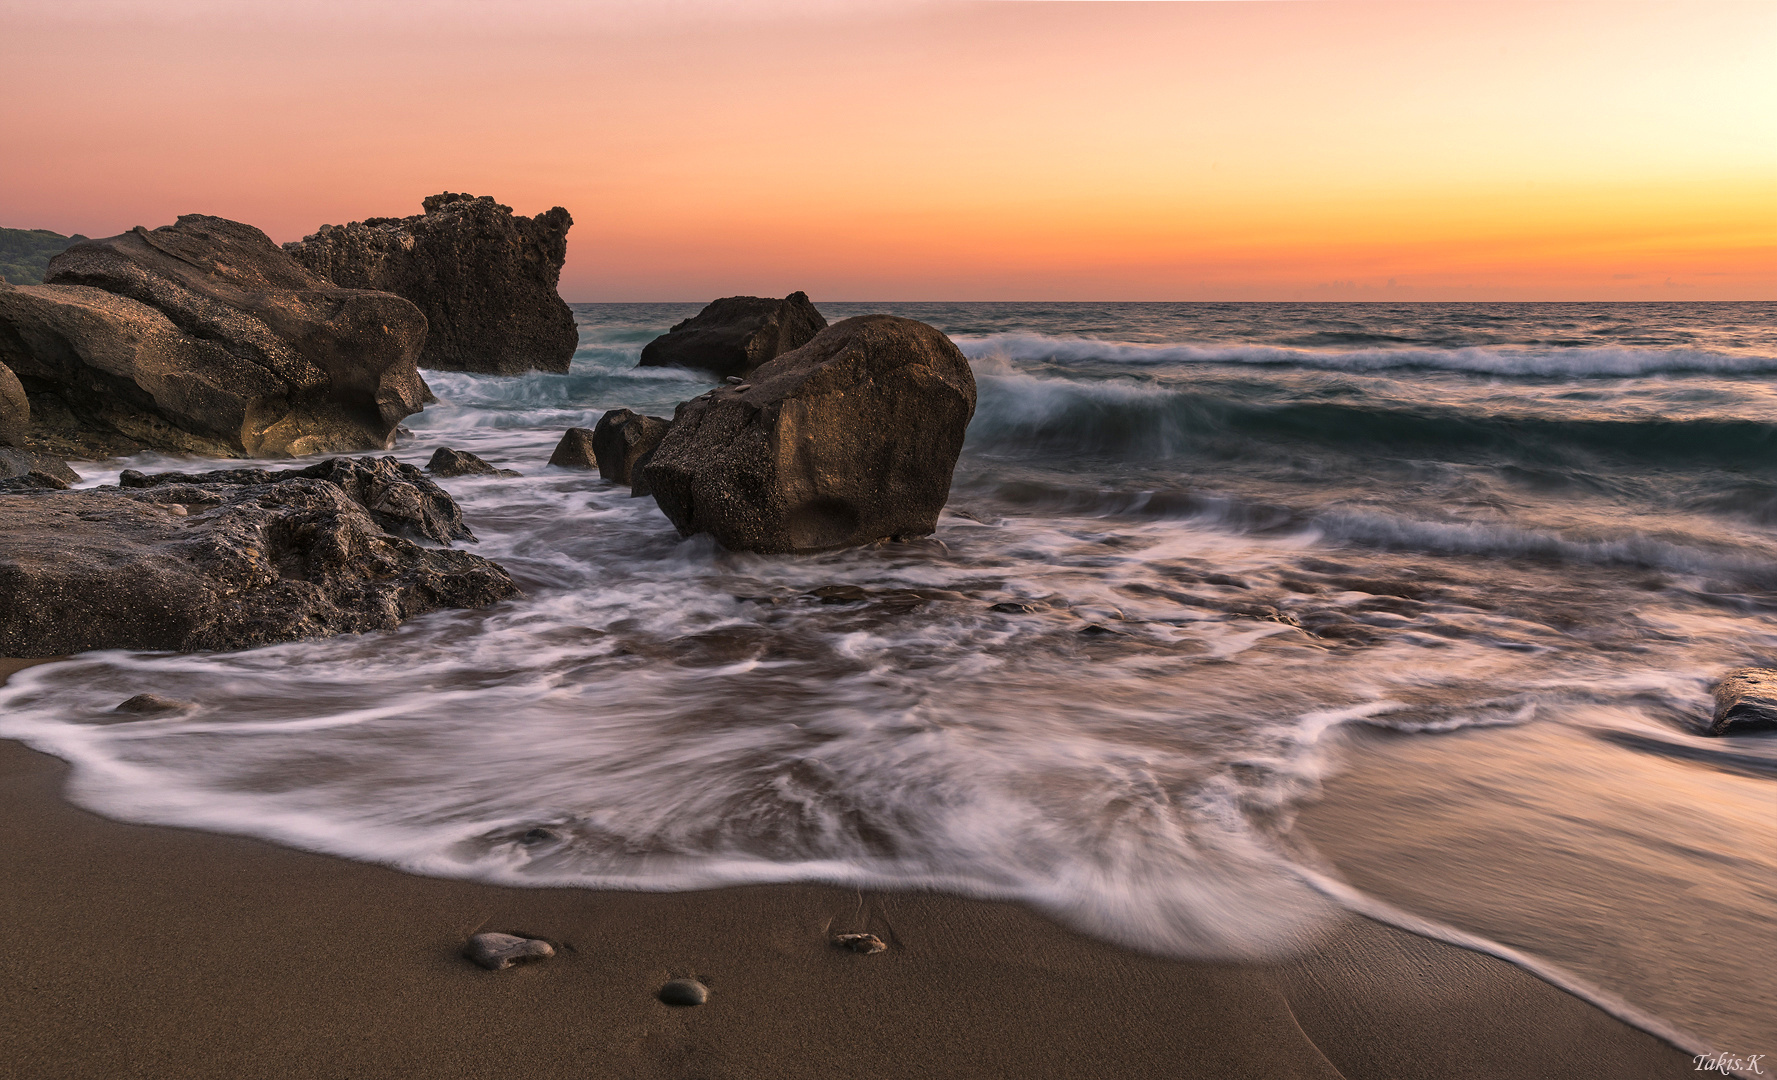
<point x="155" y="952"/>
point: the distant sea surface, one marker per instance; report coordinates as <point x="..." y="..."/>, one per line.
<point x="1465" y="570"/>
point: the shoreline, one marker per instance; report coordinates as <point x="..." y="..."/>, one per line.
<point x="150" y="950"/>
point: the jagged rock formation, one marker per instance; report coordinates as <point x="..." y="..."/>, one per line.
<point x="204" y="337"/>
<point x="850" y="439"/>
<point x="736" y="334"/>
<point x="485" y="278"/>
<point x="227" y="563"/>
<point x="621" y="444"/>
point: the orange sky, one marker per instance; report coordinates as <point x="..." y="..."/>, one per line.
<point x="876" y="150"/>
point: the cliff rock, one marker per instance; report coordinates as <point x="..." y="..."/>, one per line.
<point x="204" y="337"/>
<point x="485" y="278"/>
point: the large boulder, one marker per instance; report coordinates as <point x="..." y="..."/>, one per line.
<point x="15" y="408"/>
<point x="736" y="334"/>
<point x="216" y="565"/>
<point x="204" y="337"/>
<point x="1745" y="699"/>
<point x="850" y="439"/>
<point x="621" y="442"/>
<point x="485" y="278"/>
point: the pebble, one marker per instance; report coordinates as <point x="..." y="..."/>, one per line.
<point x="684" y="992"/>
<point x="497" y="952"/>
<point x="860" y="943"/>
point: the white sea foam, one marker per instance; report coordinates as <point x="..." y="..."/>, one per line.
<point x="1526" y="361"/>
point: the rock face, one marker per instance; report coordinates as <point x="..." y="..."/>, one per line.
<point x="850" y="439"/>
<point x="484" y="277"/>
<point x="621" y="442"/>
<point x="218" y="564"/>
<point x="1745" y="698"/>
<point x="204" y="337"/>
<point x="15" y="462"/>
<point x="575" y="450"/>
<point x="15" y="408"/>
<point x="736" y="334"/>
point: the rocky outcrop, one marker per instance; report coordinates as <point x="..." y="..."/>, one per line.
<point x="1745" y="698"/>
<point x="204" y="337"/>
<point x="850" y="439"/>
<point x="736" y="334"/>
<point x="447" y="463"/>
<point x="15" y="408"/>
<point x="622" y="441"/>
<point x="485" y="278"/>
<point x="219" y="564"/>
<point x="38" y="470"/>
<point x="398" y="497"/>
<point x="575" y="450"/>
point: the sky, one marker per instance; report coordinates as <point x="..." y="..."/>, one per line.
<point x="876" y="150"/>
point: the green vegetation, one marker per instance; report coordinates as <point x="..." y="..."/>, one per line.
<point x="25" y="253"/>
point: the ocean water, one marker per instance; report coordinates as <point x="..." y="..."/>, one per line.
<point x="1192" y="552"/>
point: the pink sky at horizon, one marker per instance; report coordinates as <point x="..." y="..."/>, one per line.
<point x="972" y="151"/>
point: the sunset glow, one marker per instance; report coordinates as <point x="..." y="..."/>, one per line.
<point x="927" y="151"/>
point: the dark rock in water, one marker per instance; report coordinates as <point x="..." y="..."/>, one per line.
<point x="1009" y="608"/>
<point x="204" y="337"/>
<point x="684" y="992"/>
<point x="1098" y="630"/>
<point x="736" y="334"/>
<point x="485" y="278"/>
<point x="497" y="952"/>
<point x="15" y="408"/>
<point x="149" y="704"/>
<point x="840" y="594"/>
<point x="448" y="462"/>
<point x="867" y="944"/>
<point x="221" y="565"/>
<point x="399" y="497"/>
<point x="575" y="450"/>
<point x="848" y="440"/>
<point x="622" y="440"/>
<point x="17" y="462"/>
<point x="1746" y="698"/>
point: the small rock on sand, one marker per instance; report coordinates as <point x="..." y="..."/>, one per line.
<point x="860" y="943"/>
<point x="497" y="952"/>
<point x="684" y="992"/>
<point x="152" y="703"/>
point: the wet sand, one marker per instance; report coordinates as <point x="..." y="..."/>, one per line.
<point x="1646" y="867"/>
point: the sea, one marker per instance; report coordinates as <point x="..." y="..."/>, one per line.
<point x="1241" y="618"/>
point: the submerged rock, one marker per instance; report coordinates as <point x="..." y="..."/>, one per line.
<point x="1745" y="698"/>
<point x="736" y="334"/>
<point x="497" y="952"/>
<point x="575" y="450"/>
<point x="151" y="704"/>
<point x="485" y="278"/>
<point x="850" y="439"/>
<point x="622" y="442"/>
<point x="204" y="337"/>
<point x="447" y="462"/>
<point x="211" y="562"/>
<point x="684" y="992"/>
